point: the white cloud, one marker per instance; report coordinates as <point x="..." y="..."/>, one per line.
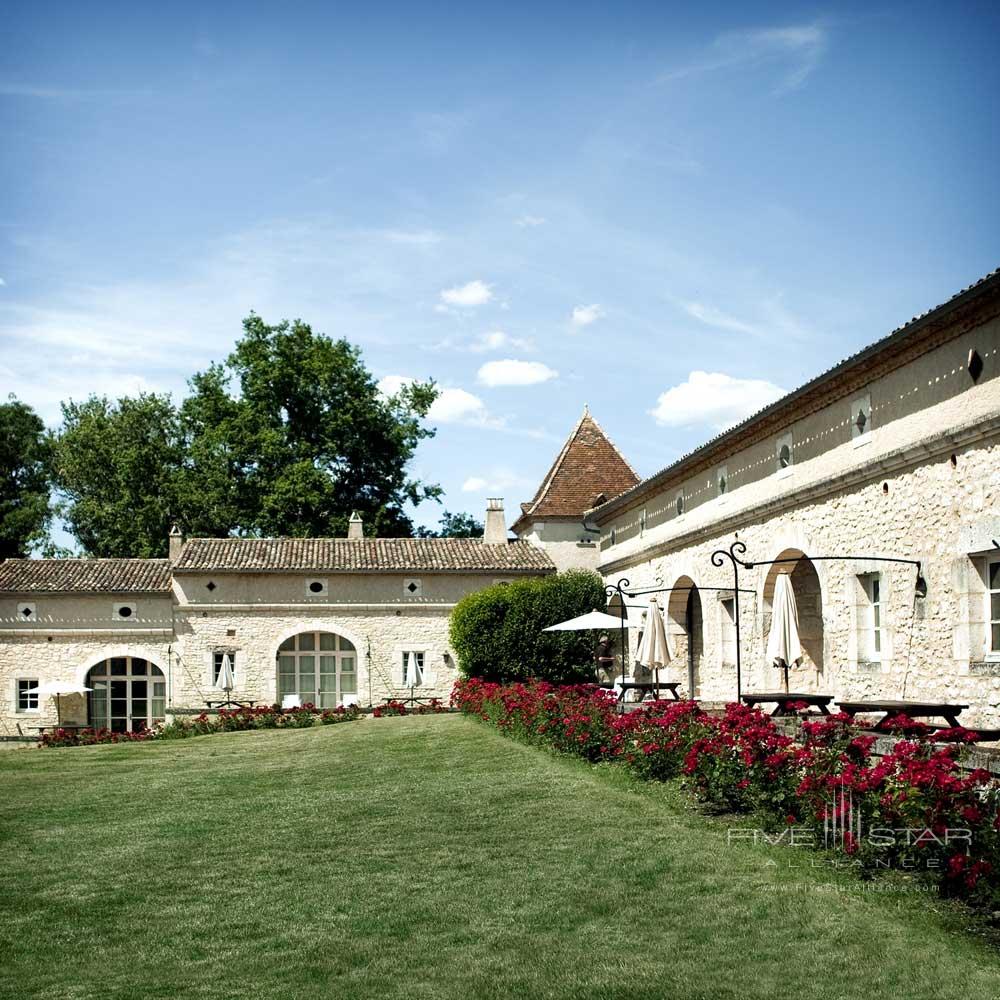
<point x="715" y="399"/>
<point x="452" y="406"/>
<point x="585" y="315"/>
<point x="3" y="284"/>
<point x="496" y="340"/>
<point x="711" y="316"/>
<point x="530" y="221"/>
<point x="457" y="406"/>
<point x="510" y="372"/>
<point x="802" y="46"/>
<point x="496" y="482"/>
<point x="474" y="293"/>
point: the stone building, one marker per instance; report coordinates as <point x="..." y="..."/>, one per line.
<point x="326" y="620"/>
<point x="894" y="453"/>
<point x="587" y="471"/>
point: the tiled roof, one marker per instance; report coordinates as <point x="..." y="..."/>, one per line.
<point x="368" y="555"/>
<point x="988" y="284"/>
<point x="588" y="466"/>
<point x="87" y="576"/>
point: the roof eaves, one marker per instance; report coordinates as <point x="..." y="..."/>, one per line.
<point x="901" y="332"/>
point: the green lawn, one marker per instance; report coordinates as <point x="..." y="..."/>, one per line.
<point x="424" y="857"/>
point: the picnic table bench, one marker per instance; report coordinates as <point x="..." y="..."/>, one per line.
<point x="645" y="687"/>
<point x="60" y="725"/>
<point x="783" y="699"/>
<point x="911" y="709"/>
<point x="238" y="704"/>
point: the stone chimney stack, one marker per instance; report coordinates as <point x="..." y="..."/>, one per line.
<point x="176" y="543"/>
<point x="355" y="527"/>
<point x="495" y="532"/>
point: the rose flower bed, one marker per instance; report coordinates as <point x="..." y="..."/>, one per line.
<point x="224" y="721"/>
<point x="913" y="808"/>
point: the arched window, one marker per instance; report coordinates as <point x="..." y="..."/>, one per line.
<point x="321" y="668"/>
<point x="127" y="694"/>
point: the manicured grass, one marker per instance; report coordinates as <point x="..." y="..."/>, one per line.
<point x="424" y="857"/>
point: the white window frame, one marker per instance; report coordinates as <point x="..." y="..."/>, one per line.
<point x="133" y="610"/>
<point x="727" y="629"/>
<point x="721" y="476"/>
<point x="26" y="709"/>
<point x="293" y="652"/>
<point x="323" y="591"/>
<point x="32" y="609"/>
<point x="417" y="658"/>
<point x="992" y="620"/>
<point x="419" y="587"/>
<point x="680" y="506"/>
<point x="874" y="628"/>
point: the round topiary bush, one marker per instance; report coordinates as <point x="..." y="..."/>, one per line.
<point x="497" y="632"/>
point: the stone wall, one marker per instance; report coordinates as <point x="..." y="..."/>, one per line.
<point x="247" y="615"/>
<point x="940" y="509"/>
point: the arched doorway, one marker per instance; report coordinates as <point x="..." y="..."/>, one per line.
<point x="685" y="624"/>
<point x="128" y="693"/>
<point x="321" y="668"/>
<point x="808" y="604"/>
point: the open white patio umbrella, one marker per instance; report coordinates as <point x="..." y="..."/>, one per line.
<point x="783" y="646"/>
<point x="654" y="649"/>
<point x="591" y="620"/>
<point x="55" y="689"/>
<point x="226" y="680"/>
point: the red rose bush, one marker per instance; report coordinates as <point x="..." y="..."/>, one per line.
<point x="913" y="807"/>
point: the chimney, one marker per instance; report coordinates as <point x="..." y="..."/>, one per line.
<point x="176" y="540"/>
<point x="495" y="532"/>
<point x="355" y="527"/>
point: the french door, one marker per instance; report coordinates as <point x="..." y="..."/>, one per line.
<point x="127" y="694"/>
<point x="320" y="667"/>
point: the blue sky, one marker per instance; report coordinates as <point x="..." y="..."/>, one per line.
<point x="671" y="212"/>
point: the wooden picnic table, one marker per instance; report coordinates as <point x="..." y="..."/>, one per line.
<point x="783" y="699"/>
<point x="645" y="687"/>
<point x="238" y="704"/>
<point x="60" y="725"/>
<point x="911" y="709"/>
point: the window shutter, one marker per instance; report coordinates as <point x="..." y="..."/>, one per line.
<point x="209" y="664"/>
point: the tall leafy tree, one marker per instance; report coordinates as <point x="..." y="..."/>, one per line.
<point x="454" y="526"/>
<point x="116" y="466"/>
<point x="25" y="452"/>
<point x="291" y="435"/>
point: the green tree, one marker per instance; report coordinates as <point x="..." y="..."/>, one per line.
<point x="116" y="466"/>
<point x="305" y="439"/>
<point x="497" y="632"/>
<point x="287" y="437"/>
<point x="454" y="526"/>
<point x="25" y="452"/>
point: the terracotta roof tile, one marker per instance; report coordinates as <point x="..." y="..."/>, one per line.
<point x="588" y="465"/>
<point x="369" y="555"/>
<point x="88" y="576"/>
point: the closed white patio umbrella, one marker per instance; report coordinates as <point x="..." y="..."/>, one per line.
<point x="55" y="689"/>
<point x="654" y="649"/>
<point x="783" y="646"/>
<point x="226" y="680"/>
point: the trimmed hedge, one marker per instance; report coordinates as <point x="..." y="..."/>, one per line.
<point x="497" y="632"/>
